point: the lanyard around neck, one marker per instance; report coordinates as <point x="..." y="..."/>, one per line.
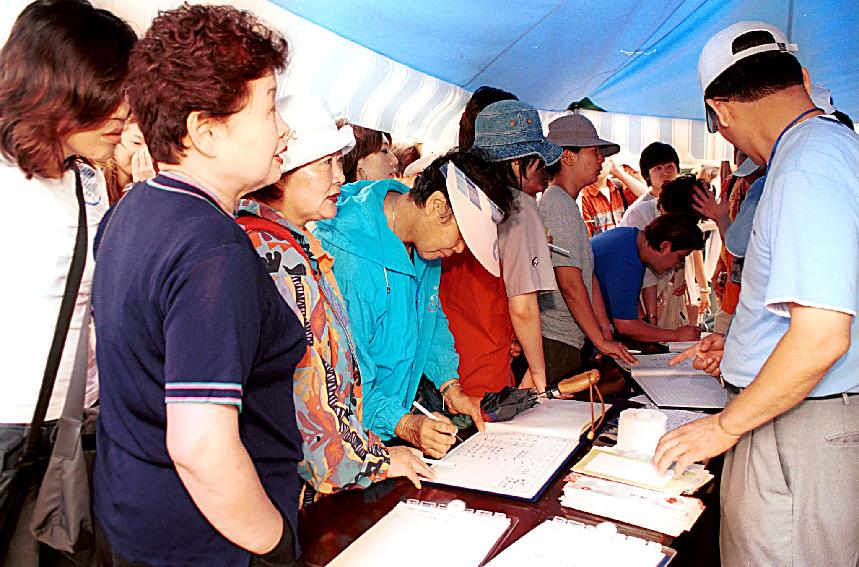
<point x="783" y="132"/>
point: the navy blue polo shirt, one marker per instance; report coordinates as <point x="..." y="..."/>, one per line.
<point x="185" y="313"/>
<point x="619" y="270"/>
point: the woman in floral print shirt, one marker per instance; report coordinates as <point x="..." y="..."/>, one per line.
<point x="339" y="452"/>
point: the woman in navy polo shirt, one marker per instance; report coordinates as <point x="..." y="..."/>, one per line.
<point x="197" y="441"/>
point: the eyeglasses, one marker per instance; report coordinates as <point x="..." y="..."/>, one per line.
<point x="712" y="119"/>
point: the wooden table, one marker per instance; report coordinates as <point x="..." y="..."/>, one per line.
<point x="328" y="526"/>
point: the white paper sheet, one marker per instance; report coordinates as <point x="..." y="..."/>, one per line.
<point x="556" y="418"/>
<point x="565" y="543"/>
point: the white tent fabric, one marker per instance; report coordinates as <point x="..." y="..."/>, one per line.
<point x="374" y="91"/>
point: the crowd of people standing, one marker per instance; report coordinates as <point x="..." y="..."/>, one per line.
<point x="263" y="312"/>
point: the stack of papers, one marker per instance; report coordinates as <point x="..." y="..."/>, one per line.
<point x="626" y="487"/>
<point x="648" y="509"/>
<point x="637" y="470"/>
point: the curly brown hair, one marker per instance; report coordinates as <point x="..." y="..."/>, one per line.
<point x="197" y="59"/>
<point x="61" y="71"/>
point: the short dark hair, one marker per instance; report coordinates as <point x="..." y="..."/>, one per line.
<point x="483" y="173"/>
<point x="197" y="59"/>
<point x="480" y="99"/>
<point x="758" y="75"/>
<point x="367" y="141"/>
<point x="676" y="196"/>
<point x="678" y="229"/>
<point x="555" y="168"/>
<point x="655" y="154"/>
<point x="61" y="70"/>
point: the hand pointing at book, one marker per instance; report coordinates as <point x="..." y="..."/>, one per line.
<point x="707" y="354"/>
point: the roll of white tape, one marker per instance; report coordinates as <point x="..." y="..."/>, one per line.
<point x="640" y="430"/>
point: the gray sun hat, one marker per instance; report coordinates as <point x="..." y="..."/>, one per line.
<point x="511" y="129"/>
<point x="577" y="131"/>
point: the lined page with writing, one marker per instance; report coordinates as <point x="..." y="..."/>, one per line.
<point x="505" y="462"/>
<point x="684" y="391"/>
<point x="405" y="536"/>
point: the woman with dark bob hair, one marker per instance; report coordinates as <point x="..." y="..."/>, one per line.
<point x="197" y="440"/>
<point x="61" y="109"/>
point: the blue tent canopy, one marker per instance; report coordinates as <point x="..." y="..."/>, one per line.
<point x="629" y="56"/>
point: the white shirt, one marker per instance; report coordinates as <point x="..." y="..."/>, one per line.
<point x="37" y="239"/>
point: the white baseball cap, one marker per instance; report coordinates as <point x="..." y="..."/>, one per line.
<point x="719" y="54"/>
<point x="477" y="217"/>
<point x="313" y="131"/>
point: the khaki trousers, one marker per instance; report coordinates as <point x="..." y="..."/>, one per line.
<point x="790" y="490"/>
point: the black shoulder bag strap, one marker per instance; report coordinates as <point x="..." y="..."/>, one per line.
<point x="30" y="455"/>
<point x="64" y="319"/>
<point x="27" y="463"/>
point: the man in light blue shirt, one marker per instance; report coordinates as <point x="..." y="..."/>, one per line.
<point x="791" y="358"/>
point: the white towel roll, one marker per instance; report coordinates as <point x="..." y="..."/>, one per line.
<point x="640" y="430"/>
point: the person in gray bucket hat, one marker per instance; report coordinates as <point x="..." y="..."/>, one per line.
<point x="575" y="130"/>
<point x="486" y="313"/>
<point x="576" y="311"/>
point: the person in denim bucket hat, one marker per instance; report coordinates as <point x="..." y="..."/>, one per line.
<point x="511" y="129"/>
<point x="480" y="307"/>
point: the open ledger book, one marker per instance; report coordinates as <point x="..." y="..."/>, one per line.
<point x="681" y="386"/>
<point x="405" y="536"/>
<point x="518" y="458"/>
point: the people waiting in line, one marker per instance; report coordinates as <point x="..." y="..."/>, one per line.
<point x="339" y="451"/>
<point x="61" y="111"/>
<point x="620" y="258"/>
<point x="269" y="302"/>
<point x="197" y="439"/>
<point x="575" y="311"/>
<point x="387" y="242"/>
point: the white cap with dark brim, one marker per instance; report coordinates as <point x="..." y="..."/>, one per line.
<point x="718" y="55"/>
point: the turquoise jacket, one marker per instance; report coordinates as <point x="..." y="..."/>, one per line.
<point x="393" y="304"/>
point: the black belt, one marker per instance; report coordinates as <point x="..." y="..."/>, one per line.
<point x="736" y="391"/>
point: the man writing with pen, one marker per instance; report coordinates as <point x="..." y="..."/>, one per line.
<point x="387" y="242"/>
<point x="790" y="358"/>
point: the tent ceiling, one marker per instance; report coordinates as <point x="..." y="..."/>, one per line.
<point x="631" y="56"/>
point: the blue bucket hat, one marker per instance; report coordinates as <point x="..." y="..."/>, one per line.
<point x="511" y="129"/>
